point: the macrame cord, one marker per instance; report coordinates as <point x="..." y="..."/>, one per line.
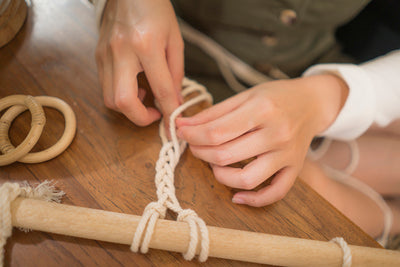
<point x="169" y="156"/>
<point x="9" y="192"/>
<point x="168" y="159"/>
<point x="345" y="177"/>
<point x="347" y="258"/>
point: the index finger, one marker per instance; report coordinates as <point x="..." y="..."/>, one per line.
<point x="126" y="94"/>
<point x="223" y="129"/>
<point x="161" y="83"/>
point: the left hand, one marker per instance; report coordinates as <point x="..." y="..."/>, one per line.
<point x="274" y="122"/>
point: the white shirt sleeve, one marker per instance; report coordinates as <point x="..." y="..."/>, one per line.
<point x="374" y="94"/>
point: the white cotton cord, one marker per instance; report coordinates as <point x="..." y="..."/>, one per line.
<point x="347" y="257"/>
<point x="318" y="153"/>
<point x="229" y="76"/>
<point x="188" y="216"/>
<point x="371" y="193"/>
<point x="152" y="212"/>
<point x="229" y="65"/>
<point x="9" y="192"/>
<point x="164" y="179"/>
<point x="355" y="157"/>
<point x="345" y="177"/>
<point x="195" y="223"/>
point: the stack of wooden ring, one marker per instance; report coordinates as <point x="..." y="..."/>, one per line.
<point x="18" y="104"/>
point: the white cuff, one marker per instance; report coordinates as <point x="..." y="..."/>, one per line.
<point x="358" y="112"/>
<point x="384" y="73"/>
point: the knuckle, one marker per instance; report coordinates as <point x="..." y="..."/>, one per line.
<point x="121" y="102"/>
<point x="214" y="135"/>
<point x="141" y="41"/>
<point x="221" y="157"/>
<point x="218" y="174"/>
<point x="109" y="103"/>
<point x="117" y="39"/>
<point x="247" y="183"/>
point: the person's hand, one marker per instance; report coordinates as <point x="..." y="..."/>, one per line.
<point x="274" y="122"/>
<point x="138" y="36"/>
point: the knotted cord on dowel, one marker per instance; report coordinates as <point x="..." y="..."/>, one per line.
<point x="226" y="243"/>
<point x="164" y="180"/>
<point x="174" y="236"/>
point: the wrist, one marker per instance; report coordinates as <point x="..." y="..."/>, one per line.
<point x="330" y="94"/>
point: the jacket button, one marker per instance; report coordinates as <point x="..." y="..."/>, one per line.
<point x="269" y="40"/>
<point x="288" y="17"/>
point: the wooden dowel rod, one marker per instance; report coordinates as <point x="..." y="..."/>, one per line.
<point x="174" y="236"/>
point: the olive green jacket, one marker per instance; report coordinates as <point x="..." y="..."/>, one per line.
<point x="289" y="34"/>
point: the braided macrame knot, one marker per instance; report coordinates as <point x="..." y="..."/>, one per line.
<point x="9" y="192"/>
<point x="164" y="180"/>
<point x="195" y="224"/>
<point x="156" y="207"/>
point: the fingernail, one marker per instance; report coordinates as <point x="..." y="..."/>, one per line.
<point x="237" y="200"/>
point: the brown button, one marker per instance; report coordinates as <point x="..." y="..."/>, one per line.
<point x="269" y="40"/>
<point x="288" y="16"/>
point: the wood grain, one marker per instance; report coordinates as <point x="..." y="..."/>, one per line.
<point x="110" y="163"/>
<point x="11" y="19"/>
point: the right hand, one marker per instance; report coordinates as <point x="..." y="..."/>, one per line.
<point x="274" y="123"/>
<point x="136" y="36"/>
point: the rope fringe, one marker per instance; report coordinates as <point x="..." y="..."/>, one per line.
<point x="9" y="192"/>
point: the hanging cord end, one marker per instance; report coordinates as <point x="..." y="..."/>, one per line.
<point x="9" y="192"/>
<point x="145" y="229"/>
<point x="196" y="225"/>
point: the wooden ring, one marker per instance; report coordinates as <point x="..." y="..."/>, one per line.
<point x="59" y="146"/>
<point x="12" y="154"/>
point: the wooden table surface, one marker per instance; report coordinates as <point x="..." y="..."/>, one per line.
<point x="110" y="164"/>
